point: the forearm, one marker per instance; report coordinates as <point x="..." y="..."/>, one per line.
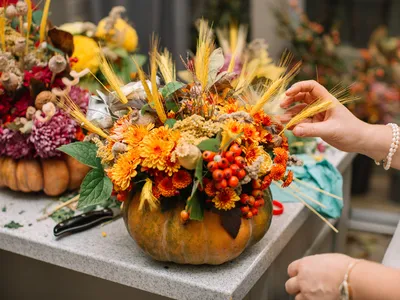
<point x="371" y="281"/>
<point x="375" y="141"/>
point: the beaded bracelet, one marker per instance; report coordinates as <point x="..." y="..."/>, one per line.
<point x="393" y="147"/>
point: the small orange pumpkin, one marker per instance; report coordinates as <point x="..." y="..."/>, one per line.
<point x="164" y="237"/>
<point x="54" y="176"/>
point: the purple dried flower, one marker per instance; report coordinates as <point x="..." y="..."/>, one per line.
<point x="15" y="144"/>
<point x="47" y="137"/>
<point x="80" y="97"/>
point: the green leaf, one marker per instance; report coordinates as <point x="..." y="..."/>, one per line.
<point x="13" y="225"/>
<point x="171" y="105"/>
<point x="195" y="207"/>
<point x="84" y="152"/>
<point x="37" y="16"/>
<point x="209" y="145"/>
<point x="62" y="215"/>
<point x="54" y="49"/>
<point x="95" y="189"/>
<point x="170" y="122"/>
<point x="121" y="52"/>
<point x="4" y="209"/>
<point x="170" y="88"/>
<point x="145" y="108"/>
<point x="231" y="221"/>
<point x="198" y="173"/>
<point x="140" y="59"/>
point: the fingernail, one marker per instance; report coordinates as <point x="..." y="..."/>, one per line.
<point x="299" y="131"/>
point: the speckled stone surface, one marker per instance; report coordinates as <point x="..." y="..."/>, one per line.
<point x="117" y="258"/>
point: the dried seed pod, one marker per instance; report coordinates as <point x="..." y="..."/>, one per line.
<point x="22" y="8"/>
<point x="11" y="12"/>
<point x="10" y="81"/>
<point x="57" y="64"/>
<point x="43" y="98"/>
<point x="30" y="112"/>
<point x="20" y="44"/>
<point x="4" y="63"/>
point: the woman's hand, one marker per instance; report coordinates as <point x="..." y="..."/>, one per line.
<point x="338" y="126"/>
<point x="317" y="277"/>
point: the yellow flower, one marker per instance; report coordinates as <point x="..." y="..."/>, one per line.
<point x="230" y="133"/>
<point x="124" y="169"/>
<point x="122" y="34"/>
<point x="226" y="199"/>
<point x="120" y="127"/>
<point x="266" y="165"/>
<point x="135" y="134"/>
<point x="252" y="152"/>
<point x="250" y="133"/>
<point x="155" y="152"/>
<point x="87" y="51"/>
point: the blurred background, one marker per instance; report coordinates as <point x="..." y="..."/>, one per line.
<point x="354" y="42"/>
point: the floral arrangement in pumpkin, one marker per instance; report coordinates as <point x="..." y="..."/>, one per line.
<point x="113" y="36"/>
<point x="34" y="60"/>
<point x="208" y="143"/>
<point x="377" y="79"/>
<point x="316" y="47"/>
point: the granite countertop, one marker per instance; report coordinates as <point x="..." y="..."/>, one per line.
<point x="117" y="258"/>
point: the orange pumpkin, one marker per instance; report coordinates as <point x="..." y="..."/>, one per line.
<point x="164" y="237"/>
<point x="54" y="176"/>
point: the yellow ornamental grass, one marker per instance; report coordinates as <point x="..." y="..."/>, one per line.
<point x="122" y="34"/>
<point x="87" y="52"/>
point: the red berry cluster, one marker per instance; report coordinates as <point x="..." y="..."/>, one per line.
<point x="252" y="202"/>
<point x="227" y="167"/>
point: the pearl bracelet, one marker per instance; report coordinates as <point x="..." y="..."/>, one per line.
<point x="393" y="147"/>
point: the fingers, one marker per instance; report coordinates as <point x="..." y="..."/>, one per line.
<point x="292" y="112"/>
<point x="311" y="130"/>
<point x="292" y="286"/>
<point x="293" y="268"/>
<point x="300" y="97"/>
<point x="310" y="86"/>
<point x="300" y="297"/>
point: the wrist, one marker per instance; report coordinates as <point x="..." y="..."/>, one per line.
<point x="374" y="141"/>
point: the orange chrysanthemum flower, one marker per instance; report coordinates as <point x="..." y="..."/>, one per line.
<point x="278" y="171"/>
<point x="119" y="128"/>
<point x="230" y="108"/>
<point x="281" y="156"/>
<point x="209" y="188"/>
<point x="262" y="119"/>
<point x="233" y="127"/>
<point x="285" y="143"/>
<point x="181" y="179"/>
<point x="288" y="180"/>
<point x="265" y="135"/>
<point x="156" y="191"/>
<point x="252" y="152"/>
<point x="135" y="134"/>
<point x="166" y="187"/>
<point x="225" y="199"/>
<point x="155" y="152"/>
<point x="266" y="182"/>
<point x="124" y="169"/>
<point x="250" y="133"/>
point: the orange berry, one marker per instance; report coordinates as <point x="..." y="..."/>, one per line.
<point x="257" y="204"/>
<point x="241" y="174"/>
<point x="230" y="156"/>
<point x="184" y="215"/>
<point x="261" y="202"/>
<point x="256" y="184"/>
<point x="235" y="148"/>
<point x="218" y="175"/>
<point x="257" y="193"/>
<point x="239" y="161"/>
<point x="121" y="197"/>
<point x="212" y="166"/>
<point x="233" y="181"/>
<point x="224" y="163"/>
<point x="245" y="209"/>
<point x="251" y="201"/>
<point x="221" y="184"/>
<point x="208" y="155"/>
<point x="254" y="211"/>
<point x="244" y="198"/>
<point x="227" y="173"/>
<point x="235" y="169"/>
<point x="249" y="215"/>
